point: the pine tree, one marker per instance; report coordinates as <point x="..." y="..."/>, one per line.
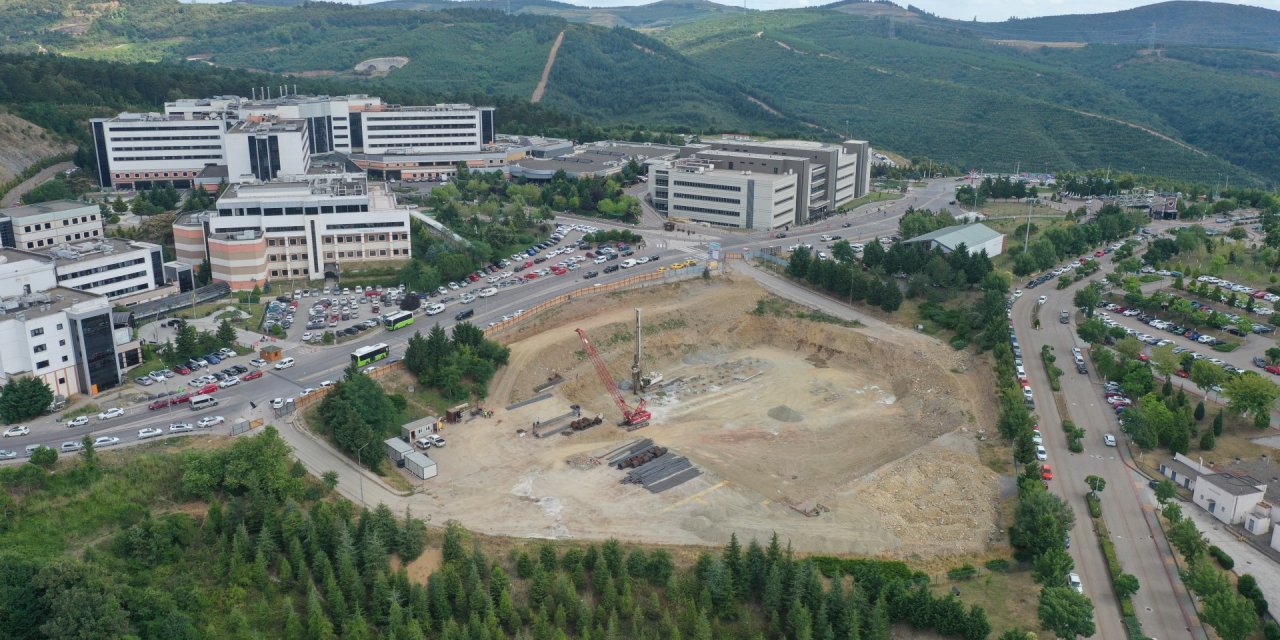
<point x="732" y="559"/>
<point x="318" y="625"/>
<point x="753" y="570"/>
<point x="1217" y="424"/>
<point x="878" y="626"/>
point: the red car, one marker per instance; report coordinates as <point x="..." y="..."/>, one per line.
<point x="207" y="389"/>
<point x="1271" y="368"/>
<point x="158" y="404"/>
<point x="530" y="276"/>
<point x="181" y="369"/>
<point x="186" y="397"/>
<point x="1143" y="357"/>
<point x="1046" y="472"/>
<point x="1181" y="374"/>
<point x="527" y="264"/>
<point x="559" y="270"/>
<point x="252" y="375"/>
<point x="1098" y="254"/>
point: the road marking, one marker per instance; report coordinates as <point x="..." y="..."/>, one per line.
<point x="696" y="496"/>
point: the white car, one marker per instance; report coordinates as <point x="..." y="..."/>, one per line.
<point x="258" y="362"/>
<point x="78" y="422"/>
<point x="435" y="309"/>
<point x="1042" y="299"/>
<point x="306" y="337"/>
<point x="6" y="454"/>
<point x="149" y="432"/>
<point x="1017" y="293"/>
<point x="468" y="298"/>
<point x="1041" y="454"/>
<point x="229" y="382"/>
<point x="326" y="384"/>
<point x="485" y="293"/>
<point x="105" y="441"/>
<point x="277" y="403"/>
<point x="1109" y="440"/>
<point x="308" y="391"/>
<point x="209" y="421"/>
<point x="1073" y="581"/>
<point x="113" y="412"/>
<point x="181" y="427"/>
<point x="72" y="445"/>
<point x="16" y="431"/>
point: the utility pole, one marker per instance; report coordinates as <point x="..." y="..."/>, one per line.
<point x="635" y="364"/>
<point x="1026" y="241"/>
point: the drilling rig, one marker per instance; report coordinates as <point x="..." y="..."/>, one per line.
<point x="631" y="418"/>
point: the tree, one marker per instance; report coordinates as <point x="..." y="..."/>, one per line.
<point x="1166" y="490"/>
<point x="1249" y="393"/>
<point x="1232" y="615"/>
<point x="842" y="251"/>
<point x="1206" y="375"/>
<point x="1273" y="355"/>
<point x="1096" y="484"/>
<point x="1066" y="613"/>
<point x="88" y="454"/>
<point x="1129" y="347"/>
<point x="1217" y="423"/>
<point x="1164" y="360"/>
<point x="226" y="334"/>
<point x="44" y="457"/>
<point x="1092" y="331"/>
<point x="1126" y="585"/>
<point x="1207" y="441"/>
<point x="1088" y="298"/>
<point x="1040" y="522"/>
<point x="1199" y="411"/>
<point x="798" y="265"/>
<point x="24" y="398"/>
<point x="1051" y="567"/>
<point x="330" y="479"/>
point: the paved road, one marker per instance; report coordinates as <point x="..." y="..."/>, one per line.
<point x="1163" y="604"/>
<point x="12" y="197"/>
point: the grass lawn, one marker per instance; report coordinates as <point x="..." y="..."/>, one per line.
<point x="421" y="401"/>
<point x="1007" y="226"/>
<point x="1243" y="270"/>
<point x="1010" y="599"/>
<point x="874" y="196"/>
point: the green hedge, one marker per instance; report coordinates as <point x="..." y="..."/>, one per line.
<point x="1223" y="559"/>
<point x="963" y="572"/>
<point x="998" y="565"/>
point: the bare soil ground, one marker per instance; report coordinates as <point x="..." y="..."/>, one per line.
<point x="780" y="414"/>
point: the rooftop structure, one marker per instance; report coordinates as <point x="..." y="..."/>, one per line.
<point x="974" y="237"/>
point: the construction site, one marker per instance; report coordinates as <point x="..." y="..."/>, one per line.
<point x="842" y="440"/>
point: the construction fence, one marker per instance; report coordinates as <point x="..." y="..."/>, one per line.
<point x="634" y="282"/>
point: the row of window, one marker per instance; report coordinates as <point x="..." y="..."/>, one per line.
<point x="419" y="127"/>
<point x="153" y="174"/>
<point x="216" y="126"/>
<point x="294" y="211"/>
<point x="177" y="148"/>
<point x="371" y="119"/>
<point x="680" y="195"/>
<point x="462" y="138"/>
<point x="44" y="364"/>
<point x="302" y="241"/>
<point x="78" y="219"/>
<point x="154" y="138"/>
<point x="701" y="185"/>
<point x="329" y="255"/>
<point x="49" y="242"/>
<point x="106" y="281"/>
<point x="714" y="212"/>
<point x="127" y="290"/>
<point x="102" y="269"/>
<point x="163" y="158"/>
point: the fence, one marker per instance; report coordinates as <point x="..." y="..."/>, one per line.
<point x="634" y="282"/>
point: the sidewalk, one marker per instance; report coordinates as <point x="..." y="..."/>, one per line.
<point x="1248" y="559"/>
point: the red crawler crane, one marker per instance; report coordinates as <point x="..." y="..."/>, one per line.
<point x="634" y="418"/>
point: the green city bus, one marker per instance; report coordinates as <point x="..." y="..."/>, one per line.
<point x="398" y="320"/>
<point x="372" y="353"/>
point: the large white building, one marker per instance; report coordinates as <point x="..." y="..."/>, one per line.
<point x="703" y="191"/>
<point x="297" y="227"/>
<point x="140" y="150"/>
<point x="63" y="336"/>
<point x="266" y="149"/>
<point x="43" y="225"/>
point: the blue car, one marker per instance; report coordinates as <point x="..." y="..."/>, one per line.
<point x="212" y="359"/>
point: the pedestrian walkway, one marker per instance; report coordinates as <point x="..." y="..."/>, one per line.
<point x="1248" y="559"/>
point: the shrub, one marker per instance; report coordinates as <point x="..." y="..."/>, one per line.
<point x="1223" y="559"/>
<point x="998" y="565"/>
<point x="963" y="572"/>
<point x="1095" y="505"/>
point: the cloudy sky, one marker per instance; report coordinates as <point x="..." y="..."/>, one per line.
<point x="985" y="10"/>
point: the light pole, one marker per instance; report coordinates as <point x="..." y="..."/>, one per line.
<point x="360" y="458"/>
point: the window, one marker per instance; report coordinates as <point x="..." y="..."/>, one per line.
<point x="64" y="358"/>
<point x="59" y="326"/>
<point x="39" y="348"/>
<point x="62" y="343"/>
<point x="39" y="331"/>
<point x="43" y="364"/>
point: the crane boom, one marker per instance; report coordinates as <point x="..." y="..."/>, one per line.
<point x="633" y="417"/>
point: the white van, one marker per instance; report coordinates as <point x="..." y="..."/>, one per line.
<point x="203" y="402"/>
<point x="628" y="263"/>
<point x="285" y="364"/>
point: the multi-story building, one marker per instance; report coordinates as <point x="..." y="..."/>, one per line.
<point x="703" y="190"/>
<point x="140" y="150"/>
<point x="827" y="175"/>
<point x="299" y="227"/>
<point x="43" y="225"/>
<point x="62" y="336"/>
<point x="111" y="267"/>
<point x="265" y="149"/>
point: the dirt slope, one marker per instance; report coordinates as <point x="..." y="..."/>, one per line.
<point x="22" y="143"/>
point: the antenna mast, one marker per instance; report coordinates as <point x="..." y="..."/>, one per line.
<point x="635" y="363"/>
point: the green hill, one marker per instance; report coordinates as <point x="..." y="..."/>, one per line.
<point x="656" y="15"/>
<point x="1181" y="22"/>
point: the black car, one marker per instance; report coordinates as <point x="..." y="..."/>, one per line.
<point x="783" y="234"/>
<point x="240" y="369"/>
<point x="464" y="314"/>
<point x="611" y="268"/>
<point x="847" y="225"/>
<point x="628" y="253"/>
<point x="589" y="275"/>
<point x="653" y="258"/>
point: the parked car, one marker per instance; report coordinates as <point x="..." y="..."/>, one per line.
<point x="1073" y="581"/>
<point x="78" y="422"/>
<point x="181" y="427"/>
<point x="19" y="430"/>
<point x="113" y="412"/>
<point x="149" y="432"/>
<point x="105" y="441"/>
<point x="71" y="445"/>
<point x="208" y="422"/>
<point x="1109" y="440"/>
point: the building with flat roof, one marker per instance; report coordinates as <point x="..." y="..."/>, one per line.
<point x="112" y="267"/>
<point x="141" y="150"/>
<point x="62" y="336"/>
<point x="1228" y="496"/>
<point x="702" y="190"/>
<point x="265" y="149"/>
<point x="298" y="227"/>
<point x="828" y="176"/>
<point x="974" y="237"/>
<point x="36" y="226"/>
<point x="597" y="159"/>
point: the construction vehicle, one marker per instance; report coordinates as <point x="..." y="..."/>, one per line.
<point x="648" y="381"/>
<point x="632" y="418"/>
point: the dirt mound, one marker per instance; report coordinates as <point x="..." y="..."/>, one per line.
<point x="783" y="413"/>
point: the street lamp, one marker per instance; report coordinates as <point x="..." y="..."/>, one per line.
<point x="360" y="458"/>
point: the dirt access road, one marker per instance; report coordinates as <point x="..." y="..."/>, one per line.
<point x="10" y="199"/>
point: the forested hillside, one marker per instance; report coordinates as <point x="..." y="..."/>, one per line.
<point x="655" y="15"/>
<point x="953" y="91"/>
<point x="239" y="542"/>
